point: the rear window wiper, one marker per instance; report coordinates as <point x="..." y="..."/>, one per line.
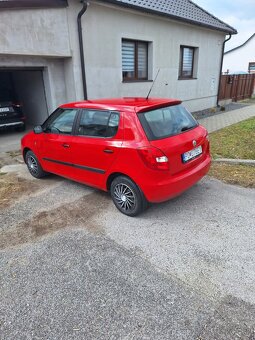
<point x="185" y="128"/>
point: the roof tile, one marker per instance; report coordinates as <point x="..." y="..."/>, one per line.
<point x="184" y="10"/>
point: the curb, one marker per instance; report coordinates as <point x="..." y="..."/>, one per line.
<point x="235" y="161"/>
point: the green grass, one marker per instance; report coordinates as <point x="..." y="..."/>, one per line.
<point x="235" y="141"/>
<point x="234" y="174"/>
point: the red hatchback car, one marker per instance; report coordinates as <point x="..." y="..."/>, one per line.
<point x="141" y="150"/>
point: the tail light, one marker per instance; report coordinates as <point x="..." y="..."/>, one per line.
<point x="154" y="158"/>
<point x="208" y="143"/>
<point x="17" y="104"/>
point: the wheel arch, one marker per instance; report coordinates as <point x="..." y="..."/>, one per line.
<point x="25" y="151"/>
<point x="141" y="197"/>
<point x="112" y="176"/>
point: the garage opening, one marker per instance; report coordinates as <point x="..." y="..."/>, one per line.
<point x="26" y="88"/>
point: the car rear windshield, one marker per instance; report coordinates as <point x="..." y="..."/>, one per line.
<point x="166" y="121"/>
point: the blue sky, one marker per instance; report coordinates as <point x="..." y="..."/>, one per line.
<point x="239" y="14"/>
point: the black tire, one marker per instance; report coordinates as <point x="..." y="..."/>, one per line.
<point x="33" y="165"/>
<point x="127" y="196"/>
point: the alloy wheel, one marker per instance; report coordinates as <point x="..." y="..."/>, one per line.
<point x="32" y="165"/>
<point x="124" y="197"/>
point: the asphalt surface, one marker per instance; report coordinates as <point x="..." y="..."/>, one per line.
<point x="73" y="267"/>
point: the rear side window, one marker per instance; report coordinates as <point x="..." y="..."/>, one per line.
<point x="96" y="123"/>
<point x="166" y="122"/>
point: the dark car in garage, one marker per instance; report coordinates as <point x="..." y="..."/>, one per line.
<point x="11" y="113"/>
<point x="11" y="116"/>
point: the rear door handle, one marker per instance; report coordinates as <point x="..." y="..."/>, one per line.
<point x="108" y="151"/>
<point x="66" y="145"/>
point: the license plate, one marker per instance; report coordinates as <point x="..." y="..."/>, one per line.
<point x="4" y="109"/>
<point x="187" y="156"/>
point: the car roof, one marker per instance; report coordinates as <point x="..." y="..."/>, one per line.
<point x="130" y="104"/>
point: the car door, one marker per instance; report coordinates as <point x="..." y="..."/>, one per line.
<point x="96" y="145"/>
<point x="55" y="143"/>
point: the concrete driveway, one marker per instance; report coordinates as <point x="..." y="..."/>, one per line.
<point x="10" y="140"/>
<point x="73" y="267"/>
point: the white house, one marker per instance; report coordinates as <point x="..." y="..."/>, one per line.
<point x="123" y="44"/>
<point x="241" y="58"/>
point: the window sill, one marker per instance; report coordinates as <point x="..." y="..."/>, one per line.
<point x="184" y="78"/>
<point x="137" y="81"/>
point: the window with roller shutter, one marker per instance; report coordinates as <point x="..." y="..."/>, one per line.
<point x="134" y="60"/>
<point x="187" y="59"/>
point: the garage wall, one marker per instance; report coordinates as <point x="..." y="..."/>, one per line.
<point x="53" y="75"/>
<point x="30" y="88"/>
<point x="31" y="38"/>
<point x="41" y="32"/>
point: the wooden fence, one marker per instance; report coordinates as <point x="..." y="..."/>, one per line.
<point x="236" y="87"/>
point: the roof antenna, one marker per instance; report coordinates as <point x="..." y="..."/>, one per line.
<point x="153" y="84"/>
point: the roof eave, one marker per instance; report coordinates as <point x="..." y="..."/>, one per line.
<point x="230" y="30"/>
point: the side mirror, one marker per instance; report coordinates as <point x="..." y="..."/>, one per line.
<point x="38" y="129"/>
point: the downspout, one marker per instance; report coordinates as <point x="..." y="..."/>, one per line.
<point x="222" y="56"/>
<point x="83" y="72"/>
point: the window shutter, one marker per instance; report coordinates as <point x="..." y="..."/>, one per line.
<point x="142" y="60"/>
<point x="187" y="61"/>
<point x="134" y="60"/>
<point x="128" y="56"/>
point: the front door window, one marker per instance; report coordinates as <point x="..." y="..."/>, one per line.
<point x="60" y="122"/>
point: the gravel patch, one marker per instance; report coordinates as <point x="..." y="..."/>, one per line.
<point x="218" y="110"/>
<point x="73" y="267"/>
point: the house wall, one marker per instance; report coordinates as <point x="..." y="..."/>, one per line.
<point x="238" y="60"/>
<point x="47" y="38"/>
<point x="104" y="26"/>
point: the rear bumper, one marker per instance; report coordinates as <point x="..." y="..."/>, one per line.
<point x="160" y="191"/>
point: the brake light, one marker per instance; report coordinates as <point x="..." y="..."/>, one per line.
<point x="208" y="144"/>
<point x="154" y="158"/>
<point x="17" y="104"/>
